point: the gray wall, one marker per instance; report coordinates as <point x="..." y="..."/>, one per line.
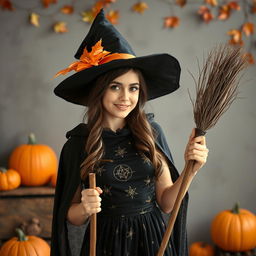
<point x="30" y="57"/>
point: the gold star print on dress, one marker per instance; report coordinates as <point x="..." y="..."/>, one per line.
<point x="147" y="180"/>
<point x="131" y="192"/>
<point x="145" y="159"/>
<point x="123" y="172"/>
<point x="99" y="170"/>
<point x="120" y="152"/>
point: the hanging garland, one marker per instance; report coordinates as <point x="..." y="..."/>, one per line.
<point x="207" y="10"/>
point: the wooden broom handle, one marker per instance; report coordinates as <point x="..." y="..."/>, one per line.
<point x="175" y="210"/>
<point x="181" y="194"/>
<point x="93" y="220"/>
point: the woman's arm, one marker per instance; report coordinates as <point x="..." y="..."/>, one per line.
<point x="166" y="190"/>
<point x="84" y="204"/>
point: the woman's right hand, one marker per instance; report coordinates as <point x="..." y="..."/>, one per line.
<point x="91" y="200"/>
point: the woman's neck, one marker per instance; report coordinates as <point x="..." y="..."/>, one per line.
<point x="115" y="124"/>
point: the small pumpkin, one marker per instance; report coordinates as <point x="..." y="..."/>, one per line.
<point x="234" y="230"/>
<point x="9" y="179"/>
<point x="25" y="246"/>
<point x="201" y="249"/>
<point x="36" y="163"/>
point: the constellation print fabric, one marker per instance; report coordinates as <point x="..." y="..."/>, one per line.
<point x="130" y="223"/>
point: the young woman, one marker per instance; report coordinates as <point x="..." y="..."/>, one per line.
<point x="126" y="148"/>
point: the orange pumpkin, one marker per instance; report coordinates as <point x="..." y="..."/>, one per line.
<point x="54" y="179"/>
<point x="36" y="163"/>
<point x="25" y="246"/>
<point x="234" y="230"/>
<point x="201" y="249"/>
<point x="9" y="179"/>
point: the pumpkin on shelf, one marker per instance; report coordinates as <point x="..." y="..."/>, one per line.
<point x="9" y="179"/>
<point x="234" y="230"/>
<point x="53" y="180"/>
<point x="201" y="249"/>
<point x="36" y="163"/>
<point x="25" y="246"/>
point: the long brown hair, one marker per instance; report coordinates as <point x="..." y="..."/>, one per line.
<point x="143" y="133"/>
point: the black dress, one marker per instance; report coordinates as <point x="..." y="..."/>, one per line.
<point x="130" y="223"/>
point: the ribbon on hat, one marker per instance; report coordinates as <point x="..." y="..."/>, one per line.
<point x="95" y="57"/>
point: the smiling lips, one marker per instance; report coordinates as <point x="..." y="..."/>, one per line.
<point x="122" y="106"/>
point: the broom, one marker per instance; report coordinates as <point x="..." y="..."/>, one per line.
<point x="93" y="220"/>
<point x="216" y="89"/>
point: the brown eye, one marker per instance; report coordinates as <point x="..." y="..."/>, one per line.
<point x="134" y="88"/>
<point x="114" y="87"/>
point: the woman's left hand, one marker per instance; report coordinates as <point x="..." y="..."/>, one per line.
<point x="196" y="150"/>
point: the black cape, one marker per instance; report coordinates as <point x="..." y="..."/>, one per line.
<point x="72" y="155"/>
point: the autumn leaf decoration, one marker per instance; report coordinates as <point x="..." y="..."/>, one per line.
<point x="34" y="19"/>
<point x="89" y="15"/>
<point x="95" y="57"/>
<point x="6" y="5"/>
<point x="205" y="14"/>
<point x="67" y="9"/>
<point x="46" y="3"/>
<point x="225" y="10"/>
<point x="248" y="28"/>
<point x="212" y="2"/>
<point x="207" y="10"/>
<point x="60" y="27"/>
<point x="181" y="3"/>
<point x="171" y="22"/>
<point x="113" y="17"/>
<point x="236" y="37"/>
<point x="140" y="7"/>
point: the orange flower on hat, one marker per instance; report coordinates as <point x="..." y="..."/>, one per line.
<point x="95" y="57"/>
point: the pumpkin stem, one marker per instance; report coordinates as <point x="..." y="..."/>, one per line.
<point x="21" y="235"/>
<point x="3" y="170"/>
<point x="236" y="209"/>
<point x="32" y="139"/>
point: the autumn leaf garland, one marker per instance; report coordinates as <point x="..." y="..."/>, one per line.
<point x="208" y="10"/>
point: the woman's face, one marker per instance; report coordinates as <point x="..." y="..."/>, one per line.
<point x="121" y="96"/>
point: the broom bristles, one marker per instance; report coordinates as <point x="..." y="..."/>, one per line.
<point x="217" y="85"/>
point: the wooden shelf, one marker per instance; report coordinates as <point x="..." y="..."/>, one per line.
<point x="21" y="205"/>
<point x="25" y="191"/>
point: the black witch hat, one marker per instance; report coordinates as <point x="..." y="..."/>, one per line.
<point x="105" y="49"/>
